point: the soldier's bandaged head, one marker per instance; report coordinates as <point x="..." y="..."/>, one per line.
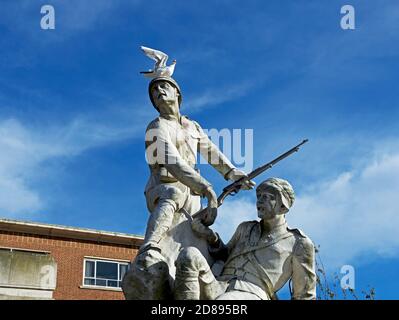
<point x="283" y="188"/>
<point x="170" y="81"/>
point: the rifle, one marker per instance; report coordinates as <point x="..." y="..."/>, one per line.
<point x="235" y="187"/>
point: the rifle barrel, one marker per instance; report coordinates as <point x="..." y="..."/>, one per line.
<point x="263" y="168"/>
<point x="235" y="186"/>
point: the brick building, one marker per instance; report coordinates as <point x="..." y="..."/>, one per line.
<point x="43" y="261"/>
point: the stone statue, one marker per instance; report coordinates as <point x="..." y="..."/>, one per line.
<point x="172" y="144"/>
<point x="175" y="259"/>
<point x="259" y="259"/>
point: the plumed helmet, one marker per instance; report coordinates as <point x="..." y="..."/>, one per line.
<point x="282" y="186"/>
<point x="167" y="79"/>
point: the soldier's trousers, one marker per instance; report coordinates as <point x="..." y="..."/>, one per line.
<point x="194" y="280"/>
<point x="163" y="202"/>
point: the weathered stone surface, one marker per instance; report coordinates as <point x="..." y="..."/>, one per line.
<point x="27" y="274"/>
<point x="172" y="144"/>
<point x="259" y="260"/>
<point x="174" y="261"/>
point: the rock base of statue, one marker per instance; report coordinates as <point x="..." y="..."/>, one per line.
<point x="148" y="278"/>
<point x="152" y="273"/>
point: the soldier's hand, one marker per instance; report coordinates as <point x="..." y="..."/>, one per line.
<point x="236" y="174"/>
<point x="204" y="232"/>
<point x="211" y="211"/>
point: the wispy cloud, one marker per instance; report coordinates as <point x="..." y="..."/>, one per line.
<point x="356" y="213"/>
<point x="213" y="97"/>
<point x="24" y="150"/>
<point x="16" y="197"/>
<point x="352" y="216"/>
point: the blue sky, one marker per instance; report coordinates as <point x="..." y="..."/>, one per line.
<point x="73" y="111"/>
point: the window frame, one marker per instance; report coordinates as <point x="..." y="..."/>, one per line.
<point x="106" y="260"/>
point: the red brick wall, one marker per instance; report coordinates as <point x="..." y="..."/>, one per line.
<point x="69" y="255"/>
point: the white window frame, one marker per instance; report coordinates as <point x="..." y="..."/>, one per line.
<point x="95" y="260"/>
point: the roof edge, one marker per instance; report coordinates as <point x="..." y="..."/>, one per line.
<point x="70" y="232"/>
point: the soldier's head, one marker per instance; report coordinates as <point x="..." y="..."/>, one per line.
<point x="165" y="94"/>
<point x="275" y="196"/>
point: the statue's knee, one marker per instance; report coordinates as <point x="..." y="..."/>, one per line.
<point x="173" y="196"/>
<point x="190" y="258"/>
<point x="187" y="256"/>
<point x="165" y="209"/>
<point x="191" y="253"/>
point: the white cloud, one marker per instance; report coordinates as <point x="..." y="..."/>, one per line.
<point x="24" y="149"/>
<point x="352" y="217"/>
<point x="16" y="197"/>
<point x="213" y="97"/>
<point x="16" y="158"/>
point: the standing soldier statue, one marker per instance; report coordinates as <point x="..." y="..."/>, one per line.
<point x="174" y="187"/>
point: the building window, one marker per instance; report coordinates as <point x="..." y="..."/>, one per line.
<point x="104" y="273"/>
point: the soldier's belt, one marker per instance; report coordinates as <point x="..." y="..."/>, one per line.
<point x="243" y="275"/>
<point x="246" y="282"/>
<point x="165" y="176"/>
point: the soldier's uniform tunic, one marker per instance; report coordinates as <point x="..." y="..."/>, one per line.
<point x="171" y="151"/>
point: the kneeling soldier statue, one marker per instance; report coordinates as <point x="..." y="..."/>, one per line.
<point x="259" y="259"/>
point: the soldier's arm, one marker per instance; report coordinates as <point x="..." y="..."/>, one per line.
<point x="161" y="150"/>
<point x="212" y="153"/>
<point x="220" y="251"/>
<point x="303" y="270"/>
